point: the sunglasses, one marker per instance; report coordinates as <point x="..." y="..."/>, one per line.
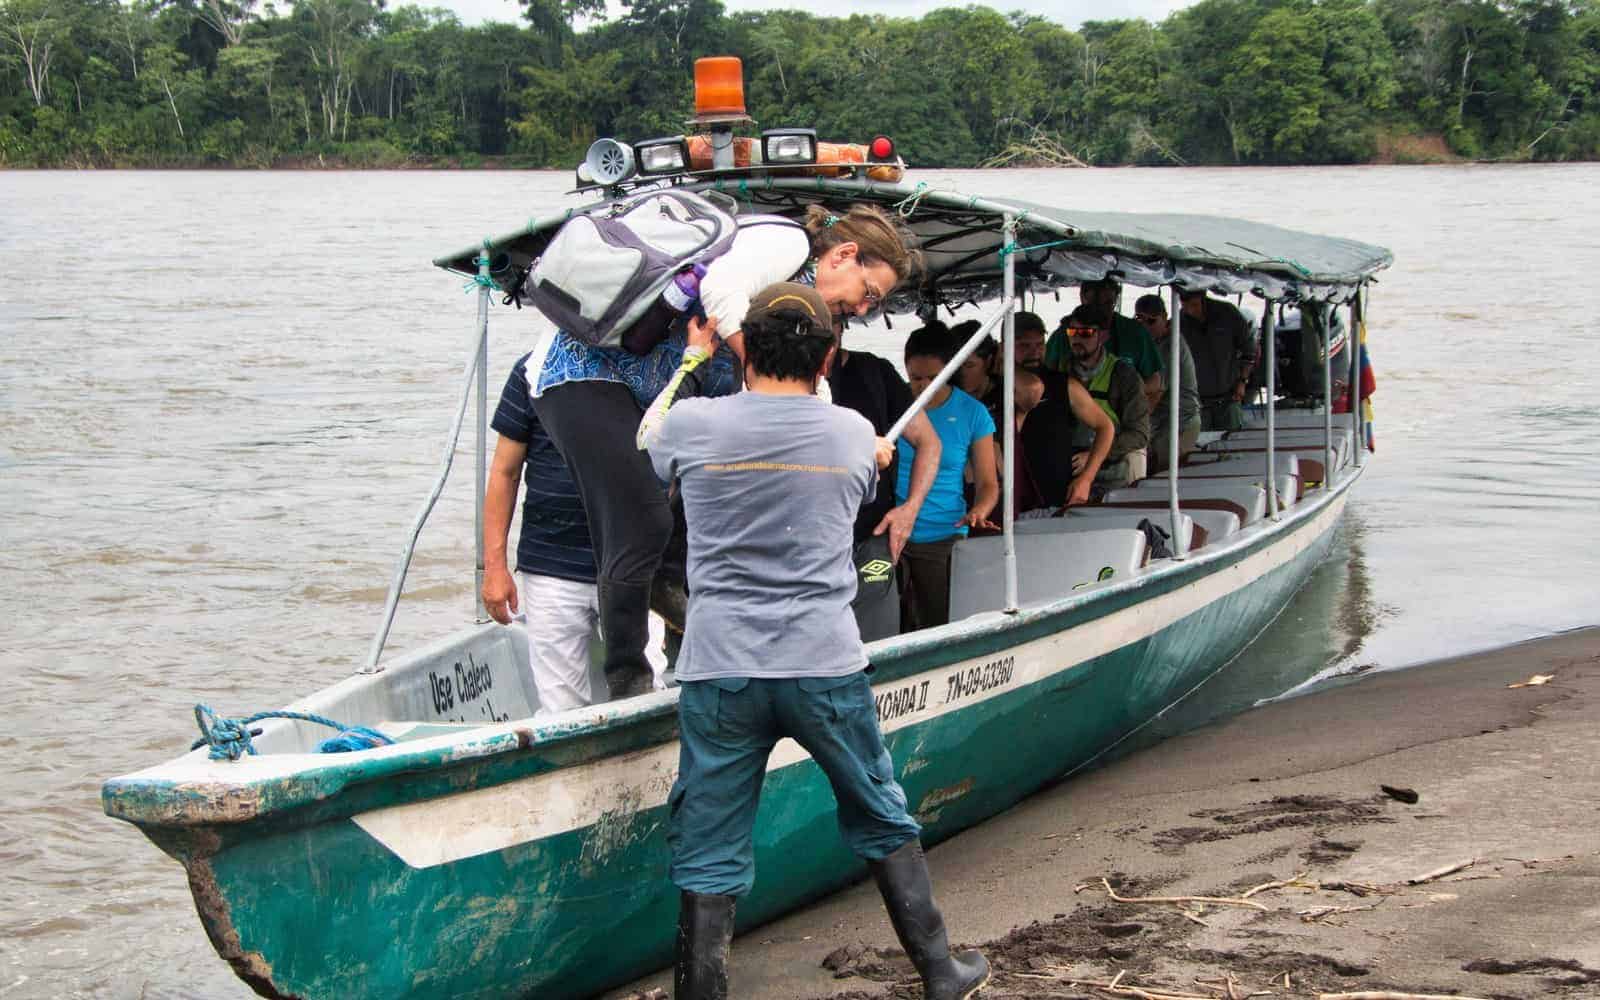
<point x="1082" y="332"/>
<point x="1147" y="318"/>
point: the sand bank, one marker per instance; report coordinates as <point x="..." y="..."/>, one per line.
<point x="1506" y="778"/>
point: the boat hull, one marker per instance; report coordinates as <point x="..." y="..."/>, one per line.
<point x="543" y="872"/>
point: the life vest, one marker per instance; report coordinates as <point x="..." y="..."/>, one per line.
<point x="1100" y="386"/>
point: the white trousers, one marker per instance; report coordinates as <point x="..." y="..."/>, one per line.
<point x="560" y="616"/>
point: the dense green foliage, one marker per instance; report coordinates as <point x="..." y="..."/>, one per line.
<point x="97" y="82"/>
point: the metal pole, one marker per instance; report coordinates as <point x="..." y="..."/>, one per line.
<point x="1358" y="316"/>
<point x="398" y="581"/>
<point x="949" y="370"/>
<point x="1325" y="310"/>
<point x="1174" y="386"/>
<point x="1269" y="334"/>
<point x="1008" y="413"/>
<point x="481" y="468"/>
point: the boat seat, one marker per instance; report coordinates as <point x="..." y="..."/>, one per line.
<point x="1236" y="463"/>
<point x="1247" y="500"/>
<point x="1049" y="566"/>
<point x="1303" y="445"/>
<point x="1290" y="487"/>
<point x="1308" y="464"/>
<point x="1093" y="518"/>
<point x="1214" y="520"/>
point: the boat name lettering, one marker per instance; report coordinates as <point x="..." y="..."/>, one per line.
<point x="975" y="680"/>
<point x="473" y="680"/>
<point x="440" y="688"/>
<point x="470" y="681"/>
<point x="902" y="701"/>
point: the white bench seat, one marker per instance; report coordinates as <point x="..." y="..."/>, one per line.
<point x="1242" y="495"/>
<point x="1051" y="565"/>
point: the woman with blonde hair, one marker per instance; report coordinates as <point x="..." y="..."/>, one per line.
<point x="590" y="399"/>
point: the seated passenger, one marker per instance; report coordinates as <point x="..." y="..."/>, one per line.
<point x="1116" y="389"/>
<point x="1152" y="312"/>
<point x="869" y="385"/>
<point x="979" y="376"/>
<point x="1029" y="394"/>
<point x="1029" y="335"/>
<point x="1224" y="348"/>
<point x="1061" y="474"/>
<point x="1129" y="340"/>
<point x="966" y="434"/>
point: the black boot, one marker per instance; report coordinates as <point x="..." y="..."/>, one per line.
<point x="705" y="932"/>
<point x="908" y="896"/>
<point x="625" y="627"/>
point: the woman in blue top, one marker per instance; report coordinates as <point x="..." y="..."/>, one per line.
<point x="966" y="431"/>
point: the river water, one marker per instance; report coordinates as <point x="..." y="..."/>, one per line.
<point x="223" y="397"/>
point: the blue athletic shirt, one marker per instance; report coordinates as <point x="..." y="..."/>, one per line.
<point x="959" y="422"/>
<point x="555" y="531"/>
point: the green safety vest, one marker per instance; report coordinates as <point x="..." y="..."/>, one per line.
<point x="1100" y="386"/>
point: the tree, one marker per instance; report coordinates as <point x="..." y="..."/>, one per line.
<point x="33" y="29"/>
<point x="333" y="33"/>
<point x="1276" y="78"/>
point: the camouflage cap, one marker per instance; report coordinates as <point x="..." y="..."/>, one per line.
<point x="791" y="306"/>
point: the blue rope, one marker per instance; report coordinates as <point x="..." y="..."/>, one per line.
<point x="1010" y="247"/>
<point x="480" y="279"/>
<point x="230" y="738"/>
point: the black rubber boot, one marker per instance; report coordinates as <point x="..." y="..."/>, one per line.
<point x="705" y="933"/>
<point x="908" y="896"/>
<point x="625" y="627"/>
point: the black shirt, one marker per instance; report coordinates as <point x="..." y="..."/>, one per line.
<point x="870" y="386"/>
<point x="555" y="531"/>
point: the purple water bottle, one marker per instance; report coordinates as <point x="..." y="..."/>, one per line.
<point x="682" y="295"/>
<point x="683" y="291"/>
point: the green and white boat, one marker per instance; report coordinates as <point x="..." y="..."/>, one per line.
<point x="489" y="854"/>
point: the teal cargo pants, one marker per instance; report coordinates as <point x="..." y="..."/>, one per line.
<point x="729" y="726"/>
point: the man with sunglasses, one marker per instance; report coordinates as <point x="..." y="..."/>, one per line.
<point x="1116" y="388"/>
<point x="1128" y="339"/>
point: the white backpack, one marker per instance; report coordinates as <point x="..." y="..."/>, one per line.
<point x="602" y="271"/>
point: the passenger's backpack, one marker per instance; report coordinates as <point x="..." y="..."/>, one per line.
<point x="603" y="271"/>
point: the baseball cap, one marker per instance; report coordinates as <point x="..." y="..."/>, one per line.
<point x="787" y="306"/>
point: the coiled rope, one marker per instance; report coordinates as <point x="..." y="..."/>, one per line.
<point x="230" y="738"/>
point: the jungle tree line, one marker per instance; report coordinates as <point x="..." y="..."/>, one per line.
<point x="100" y="82"/>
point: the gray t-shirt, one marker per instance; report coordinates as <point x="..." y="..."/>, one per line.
<point x="1188" y="388"/>
<point x="771" y="486"/>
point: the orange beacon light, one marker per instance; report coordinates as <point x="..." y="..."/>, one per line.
<point x="718" y="86"/>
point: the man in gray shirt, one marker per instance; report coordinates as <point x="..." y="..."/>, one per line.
<point x="1152" y="312"/>
<point x="771" y="479"/>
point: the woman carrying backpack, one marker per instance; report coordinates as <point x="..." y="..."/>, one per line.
<point x="590" y="399"/>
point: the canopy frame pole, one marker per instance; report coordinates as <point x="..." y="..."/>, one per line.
<point x="1180" y="548"/>
<point x="1325" y="310"/>
<point x="481" y="467"/>
<point x="948" y="371"/>
<point x="1269" y="334"/>
<point x="473" y="376"/>
<point x="1358" y="315"/>
<point x="1008" y="415"/>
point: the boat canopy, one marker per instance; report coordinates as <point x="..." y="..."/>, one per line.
<point x="966" y="240"/>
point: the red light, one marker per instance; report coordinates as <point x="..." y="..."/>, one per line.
<point x="882" y="148"/>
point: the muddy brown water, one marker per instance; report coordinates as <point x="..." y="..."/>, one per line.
<point x="224" y="395"/>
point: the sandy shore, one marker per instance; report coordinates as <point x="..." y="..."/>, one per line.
<point x="1506" y="778"/>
